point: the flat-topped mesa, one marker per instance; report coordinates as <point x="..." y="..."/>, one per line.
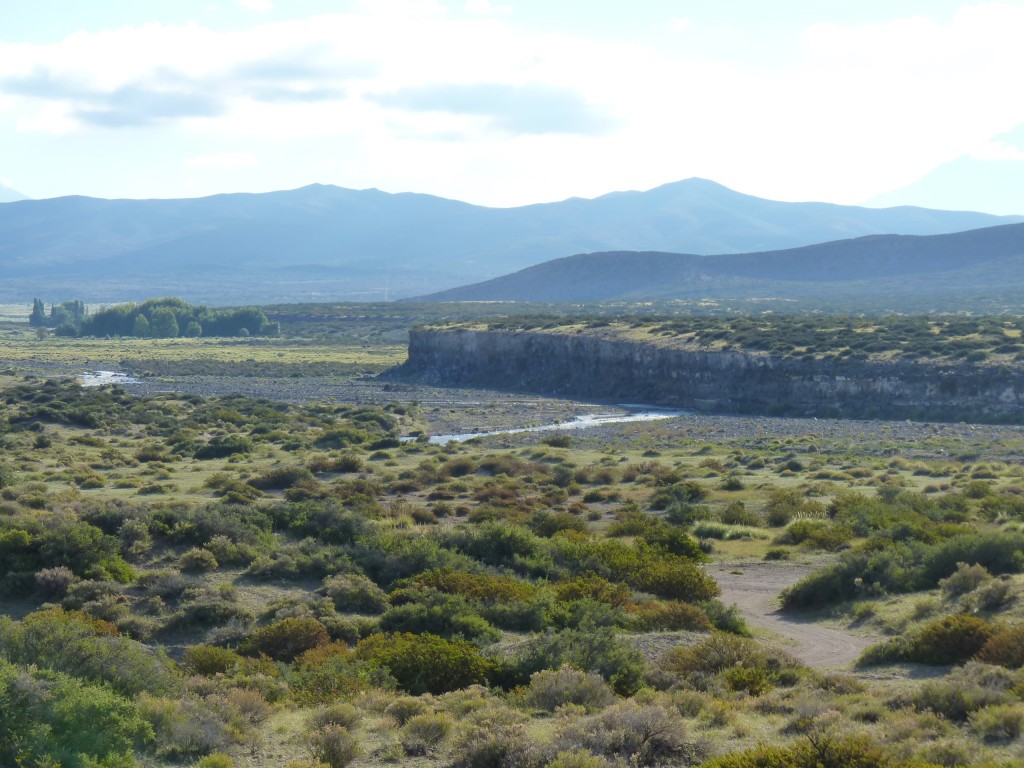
<point x="575" y="362"/>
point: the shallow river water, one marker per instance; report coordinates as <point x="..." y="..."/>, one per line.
<point x="580" y="422"/>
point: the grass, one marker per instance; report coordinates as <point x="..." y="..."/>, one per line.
<point x="22" y="347"/>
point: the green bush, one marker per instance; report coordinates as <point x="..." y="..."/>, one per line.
<point x="666" y="615"/>
<point x="334" y="745"/>
<point x="405" y="707"/>
<point x="437" y="614"/>
<point x="951" y="640"/>
<point x="184" y="726"/>
<point x="999" y="723"/>
<point x="333" y="677"/>
<point x="643" y="735"/>
<point x="1005" y="648"/>
<point x="422" y="734"/>
<point x="354" y="592"/>
<point x="597" y="650"/>
<point x="197" y="559"/>
<point x="88" y="648"/>
<point x="284" y="640"/>
<point x="724" y="654"/>
<point x="49" y="718"/>
<point x="210" y="659"/>
<point x="279" y="478"/>
<point x="552" y="688"/>
<point x="343" y="715"/>
<point x="965" y="690"/>
<point x="965" y="579"/>
<point x="426" y="663"/>
<point x="816" y="751"/>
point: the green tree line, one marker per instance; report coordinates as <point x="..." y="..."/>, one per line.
<point x="155" y="318"/>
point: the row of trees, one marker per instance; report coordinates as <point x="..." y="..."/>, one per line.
<point x="156" y="318"/>
<point x="67" y="314"/>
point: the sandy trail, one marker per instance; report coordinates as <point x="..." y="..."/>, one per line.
<point x="754" y="588"/>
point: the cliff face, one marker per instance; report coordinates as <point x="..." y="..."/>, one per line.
<point x="586" y="365"/>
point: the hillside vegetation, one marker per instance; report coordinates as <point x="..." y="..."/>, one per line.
<point x="973" y="339"/>
<point x="235" y="581"/>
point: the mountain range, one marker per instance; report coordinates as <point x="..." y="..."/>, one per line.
<point x="978" y="262"/>
<point x="322" y="243"/>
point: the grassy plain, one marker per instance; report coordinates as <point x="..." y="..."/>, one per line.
<point x="252" y="582"/>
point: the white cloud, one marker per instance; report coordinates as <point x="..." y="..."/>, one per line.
<point x="850" y="112"/>
<point x="487" y="8"/>
<point x="221" y="160"/>
<point x="259" y="6"/>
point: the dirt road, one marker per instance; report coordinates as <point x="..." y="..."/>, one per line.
<point x="754" y="587"/>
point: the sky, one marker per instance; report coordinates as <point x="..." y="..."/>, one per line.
<point x="504" y="102"/>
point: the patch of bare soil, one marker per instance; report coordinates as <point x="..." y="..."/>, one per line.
<point x="754" y="588"/>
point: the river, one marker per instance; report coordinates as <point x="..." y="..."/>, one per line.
<point x="580" y="422"/>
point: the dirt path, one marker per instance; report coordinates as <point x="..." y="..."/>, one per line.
<point x="754" y="587"/>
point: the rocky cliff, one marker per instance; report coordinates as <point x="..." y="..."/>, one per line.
<point x="620" y="370"/>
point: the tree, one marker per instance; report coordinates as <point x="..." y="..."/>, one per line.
<point x="193" y="329"/>
<point x="38" y="317"/>
<point x="141" y="328"/>
<point x="163" y="323"/>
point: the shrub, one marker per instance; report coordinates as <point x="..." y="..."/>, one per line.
<point x="722" y="652"/>
<point x="737" y="514"/>
<point x="1004" y="648"/>
<point x="278" y="478"/>
<point x="224" y="446"/>
<point x="438" y="614"/>
<point x="88" y="648"/>
<point x="965" y="690"/>
<point x="54" y="582"/>
<point x="343" y="715"/>
<point x="501" y="745"/>
<point x="284" y="640"/>
<point x="426" y="663"/>
<point x="550" y="689"/>
<point x="216" y="760"/>
<point x="210" y="660"/>
<point x="422" y="733"/>
<point x="184" y="726"/>
<point x="950" y="640"/>
<point x="334" y="745"/>
<point x="54" y="719"/>
<point x="197" y="559"/>
<point x="966" y="579"/>
<point x="578" y="759"/>
<point x="336" y="677"/>
<point x="667" y="614"/>
<point x="404" y="708"/>
<point x="813" y="751"/>
<point x="590" y="649"/>
<point x="354" y="592"/>
<point x="644" y="735"/>
<point x="593" y="587"/>
<point x="998" y="723"/>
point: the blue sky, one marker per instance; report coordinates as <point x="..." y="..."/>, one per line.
<point x="504" y="102"/>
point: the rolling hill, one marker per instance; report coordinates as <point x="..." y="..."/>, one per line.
<point x="987" y="260"/>
<point x="329" y="243"/>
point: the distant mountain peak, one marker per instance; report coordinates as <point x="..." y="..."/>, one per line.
<point x="8" y="195"/>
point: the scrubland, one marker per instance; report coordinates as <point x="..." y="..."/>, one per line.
<point x="238" y="581"/>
